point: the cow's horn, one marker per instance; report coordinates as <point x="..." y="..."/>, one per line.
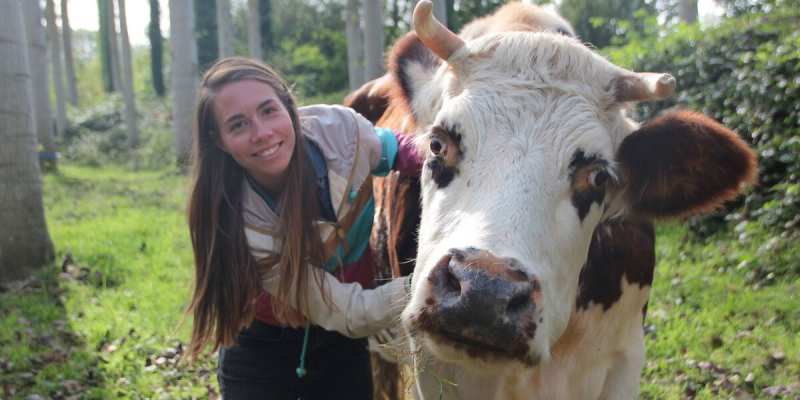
<point x="436" y="36"/>
<point x="644" y="86"/>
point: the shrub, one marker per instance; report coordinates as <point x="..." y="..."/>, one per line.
<point x="745" y="73"/>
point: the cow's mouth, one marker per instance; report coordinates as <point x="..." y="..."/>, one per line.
<point x="473" y="343"/>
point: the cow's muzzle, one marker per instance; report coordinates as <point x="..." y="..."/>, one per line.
<point x="481" y="302"/>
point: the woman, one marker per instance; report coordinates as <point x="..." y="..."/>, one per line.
<point x="281" y="198"/>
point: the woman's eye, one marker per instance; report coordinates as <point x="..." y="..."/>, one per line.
<point x="437" y="146"/>
<point x="268" y="111"/>
<point x="597" y="179"/>
<point x="236" y="126"/>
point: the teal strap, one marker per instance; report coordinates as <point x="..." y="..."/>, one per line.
<point x="301" y="370"/>
<point x="389" y="148"/>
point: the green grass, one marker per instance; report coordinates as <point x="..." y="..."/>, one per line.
<point x="722" y="308"/>
<point x="113" y="312"/>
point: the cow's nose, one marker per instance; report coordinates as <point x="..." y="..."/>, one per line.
<point x="485" y="301"/>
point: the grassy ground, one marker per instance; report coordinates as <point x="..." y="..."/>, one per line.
<point x="723" y="320"/>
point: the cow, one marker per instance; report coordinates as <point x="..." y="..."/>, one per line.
<point x="539" y="193"/>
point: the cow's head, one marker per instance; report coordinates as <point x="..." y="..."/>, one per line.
<point x="528" y="148"/>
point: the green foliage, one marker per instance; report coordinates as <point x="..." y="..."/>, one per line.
<point x="205" y="27"/>
<point x="744" y="73"/>
<point x="312" y="48"/>
<point x="464" y="11"/>
<point x="156" y="49"/>
<point x="602" y="22"/>
<point x="265" y="12"/>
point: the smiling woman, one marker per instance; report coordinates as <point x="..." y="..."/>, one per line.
<point x="282" y="199"/>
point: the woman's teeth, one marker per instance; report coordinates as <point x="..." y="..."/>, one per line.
<point x="270" y="151"/>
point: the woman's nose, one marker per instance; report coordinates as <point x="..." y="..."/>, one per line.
<point x="261" y="130"/>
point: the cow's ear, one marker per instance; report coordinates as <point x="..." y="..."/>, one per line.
<point x="682" y="163"/>
<point x="413" y="67"/>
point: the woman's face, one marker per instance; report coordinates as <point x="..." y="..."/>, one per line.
<point x="256" y="130"/>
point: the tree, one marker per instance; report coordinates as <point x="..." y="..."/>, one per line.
<point x="373" y="38"/>
<point x="105" y="46"/>
<point x="156" y="48"/>
<point x="205" y="21"/>
<point x="265" y="25"/>
<point x="687" y="11"/>
<point x="225" y="29"/>
<point x="184" y="74"/>
<point x="131" y="125"/>
<point x="607" y="22"/>
<point x="66" y="32"/>
<point x="24" y="241"/>
<point x="440" y="11"/>
<point x="355" y="59"/>
<point x="37" y="55"/>
<point x="254" y="30"/>
<point x="58" y="77"/>
<point x="114" y="45"/>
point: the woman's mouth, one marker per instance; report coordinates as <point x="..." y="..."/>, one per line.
<point x="269" y="151"/>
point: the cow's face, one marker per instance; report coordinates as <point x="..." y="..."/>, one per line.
<point x="526" y="149"/>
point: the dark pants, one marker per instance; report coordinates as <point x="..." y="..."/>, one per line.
<point x="263" y="365"/>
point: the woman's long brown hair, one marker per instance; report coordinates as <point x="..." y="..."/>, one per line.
<point x="227" y="277"/>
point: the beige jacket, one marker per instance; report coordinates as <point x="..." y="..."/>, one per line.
<point x="352" y="150"/>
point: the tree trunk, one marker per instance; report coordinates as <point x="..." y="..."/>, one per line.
<point x="373" y="39"/>
<point x="66" y="31"/>
<point x="113" y="46"/>
<point x="184" y="74"/>
<point x="37" y="55"/>
<point x="105" y="46"/>
<point x="156" y="48"/>
<point x="355" y="58"/>
<point x="205" y="23"/>
<point x="440" y="11"/>
<point x="131" y="124"/>
<point x="254" y="30"/>
<point x="24" y="241"/>
<point x="687" y="11"/>
<point x="265" y="19"/>
<point x="58" y="76"/>
<point x="225" y="29"/>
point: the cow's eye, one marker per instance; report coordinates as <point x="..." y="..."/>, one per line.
<point x="597" y="179"/>
<point x="437" y="146"/>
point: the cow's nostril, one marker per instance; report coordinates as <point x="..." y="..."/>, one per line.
<point x="518" y="303"/>
<point x="453" y="282"/>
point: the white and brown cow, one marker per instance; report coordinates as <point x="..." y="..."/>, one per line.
<point x="536" y="246"/>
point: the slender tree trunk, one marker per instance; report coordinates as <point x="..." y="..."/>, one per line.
<point x="37" y="55"/>
<point x="373" y="39"/>
<point x="24" y="241"/>
<point x="254" y="30"/>
<point x="355" y="56"/>
<point x="265" y="19"/>
<point x="156" y="48"/>
<point x="440" y="11"/>
<point x="131" y="119"/>
<point x="184" y="73"/>
<point x="687" y="11"/>
<point x="113" y="46"/>
<point x="66" y="31"/>
<point x="58" y="76"/>
<point x="205" y="26"/>
<point x="225" y="29"/>
<point x="105" y="46"/>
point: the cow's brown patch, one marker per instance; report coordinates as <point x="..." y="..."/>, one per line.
<point x="584" y="193"/>
<point x="683" y="163"/>
<point x="408" y="50"/>
<point x="372" y="99"/>
<point x="619" y="248"/>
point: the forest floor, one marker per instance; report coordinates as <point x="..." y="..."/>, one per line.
<point x="99" y="323"/>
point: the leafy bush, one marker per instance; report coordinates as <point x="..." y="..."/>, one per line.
<point x="745" y="73"/>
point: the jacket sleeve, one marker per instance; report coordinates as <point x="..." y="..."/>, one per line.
<point x="357" y="312"/>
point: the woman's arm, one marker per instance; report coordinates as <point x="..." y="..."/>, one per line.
<point x="357" y="312"/>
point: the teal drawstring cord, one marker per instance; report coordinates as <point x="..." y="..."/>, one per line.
<point x="301" y="370"/>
